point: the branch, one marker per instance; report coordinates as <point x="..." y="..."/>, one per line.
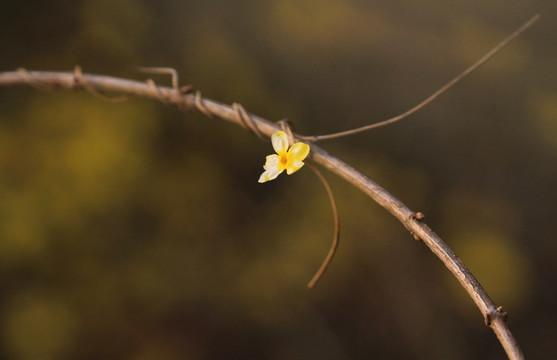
<point x="494" y="316"/>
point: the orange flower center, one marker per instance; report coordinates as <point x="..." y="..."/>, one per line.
<point x="283" y="159"/>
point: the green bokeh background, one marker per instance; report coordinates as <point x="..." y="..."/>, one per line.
<point x="135" y="231"/>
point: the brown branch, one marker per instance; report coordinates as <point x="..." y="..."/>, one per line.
<point x="493" y="315"/>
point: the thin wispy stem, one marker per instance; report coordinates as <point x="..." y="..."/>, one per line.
<point x="336" y="233"/>
<point x="433" y="96"/>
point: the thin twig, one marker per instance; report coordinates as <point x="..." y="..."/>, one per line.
<point x="336" y="234"/>
<point x="433" y="96"/>
<point x="492" y="315"/>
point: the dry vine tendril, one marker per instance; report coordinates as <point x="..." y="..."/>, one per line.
<point x="433" y="96"/>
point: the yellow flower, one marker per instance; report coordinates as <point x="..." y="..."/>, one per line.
<point x="289" y="159"/>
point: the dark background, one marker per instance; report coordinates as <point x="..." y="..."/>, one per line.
<point x="135" y="231"/>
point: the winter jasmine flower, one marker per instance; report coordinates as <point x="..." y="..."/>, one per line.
<point x="289" y="158"/>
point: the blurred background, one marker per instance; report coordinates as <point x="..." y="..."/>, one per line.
<point x="135" y="231"/>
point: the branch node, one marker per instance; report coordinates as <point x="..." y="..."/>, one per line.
<point x="186" y="89"/>
<point x="498" y="313"/>
<point x="77" y="76"/>
<point x="417" y="216"/>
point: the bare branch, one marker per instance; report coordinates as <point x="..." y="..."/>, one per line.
<point x="493" y="315"/>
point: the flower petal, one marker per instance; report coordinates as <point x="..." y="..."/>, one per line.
<point x="295" y="166"/>
<point x="269" y="174"/>
<point x="279" y="141"/>
<point x="271" y="161"/>
<point x="298" y="151"/>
